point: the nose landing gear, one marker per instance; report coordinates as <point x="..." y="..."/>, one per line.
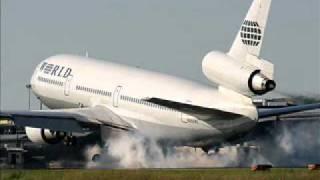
<point x="211" y="149"/>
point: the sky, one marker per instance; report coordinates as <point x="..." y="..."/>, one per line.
<point x="169" y="36"/>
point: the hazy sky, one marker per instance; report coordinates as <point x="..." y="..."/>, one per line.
<point x="169" y="36"/>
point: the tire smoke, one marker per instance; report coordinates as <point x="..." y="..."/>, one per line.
<point x="133" y="151"/>
<point x="290" y="145"/>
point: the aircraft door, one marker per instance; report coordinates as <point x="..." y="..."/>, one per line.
<point x="67" y="85"/>
<point x="116" y="95"/>
<point x="184" y="117"/>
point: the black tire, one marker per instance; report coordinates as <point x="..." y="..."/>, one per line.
<point x="96" y="157"/>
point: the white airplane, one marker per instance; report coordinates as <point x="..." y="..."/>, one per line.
<point x="87" y="95"/>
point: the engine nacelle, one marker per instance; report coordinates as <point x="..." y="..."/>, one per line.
<point x="44" y="136"/>
<point x="240" y="77"/>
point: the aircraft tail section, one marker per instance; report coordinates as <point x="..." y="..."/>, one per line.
<point x="250" y="36"/>
<point x="241" y="70"/>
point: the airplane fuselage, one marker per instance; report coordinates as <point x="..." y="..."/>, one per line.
<point x="67" y="81"/>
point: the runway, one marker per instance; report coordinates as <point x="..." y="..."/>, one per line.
<point x="172" y="174"/>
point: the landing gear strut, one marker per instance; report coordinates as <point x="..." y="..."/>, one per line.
<point x="70" y="140"/>
<point x="247" y="154"/>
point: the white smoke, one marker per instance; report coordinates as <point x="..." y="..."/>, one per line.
<point x="133" y="151"/>
<point x="286" y="142"/>
<point x="286" y="145"/>
<point x="292" y="145"/>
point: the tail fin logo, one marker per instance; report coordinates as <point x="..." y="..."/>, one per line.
<point x="251" y="34"/>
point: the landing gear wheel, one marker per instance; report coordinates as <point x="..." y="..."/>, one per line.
<point x="70" y="141"/>
<point x="205" y="149"/>
<point x="216" y="150"/>
<point x="247" y="154"/>
<point x="211" y="150"/>
<point x="96" y="157"/>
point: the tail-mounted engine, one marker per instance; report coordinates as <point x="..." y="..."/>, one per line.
<point x="259" y="84"/>
<point x="252" y="77"/>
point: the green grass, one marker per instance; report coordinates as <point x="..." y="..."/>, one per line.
<point x="155" y="174"/>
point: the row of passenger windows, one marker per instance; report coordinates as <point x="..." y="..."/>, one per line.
<point x="249" y="29"/>
<point x="122" y="97"/>
<point x="94" y="91"/>
<point x="50" y="81"/>
<point x="106" y="93"/>
<point x="142" y="102"/>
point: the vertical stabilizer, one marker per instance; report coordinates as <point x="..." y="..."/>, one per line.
<point x="250" y="36"/>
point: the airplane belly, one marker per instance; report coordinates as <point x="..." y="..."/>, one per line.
<point x="173" y="134"/>
<point x="233" y="127"/>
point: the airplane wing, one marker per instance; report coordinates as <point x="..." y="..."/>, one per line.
<point x="194" y="110"/>
<point x="268" y="127"/>
<point x="200" y="111"/>
<point x="264" y="113"/>
<point x="68" y="120"/>
<point x="274" y="120"/>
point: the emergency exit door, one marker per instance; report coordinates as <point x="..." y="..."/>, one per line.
<point x="116" y="96"/>
<point x="67" y="85"/>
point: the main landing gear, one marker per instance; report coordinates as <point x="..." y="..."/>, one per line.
<point x="211" y="149"/>
<point x="70" y="140"/>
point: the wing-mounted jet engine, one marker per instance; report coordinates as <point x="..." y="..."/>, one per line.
<point x="44" y="136"/>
